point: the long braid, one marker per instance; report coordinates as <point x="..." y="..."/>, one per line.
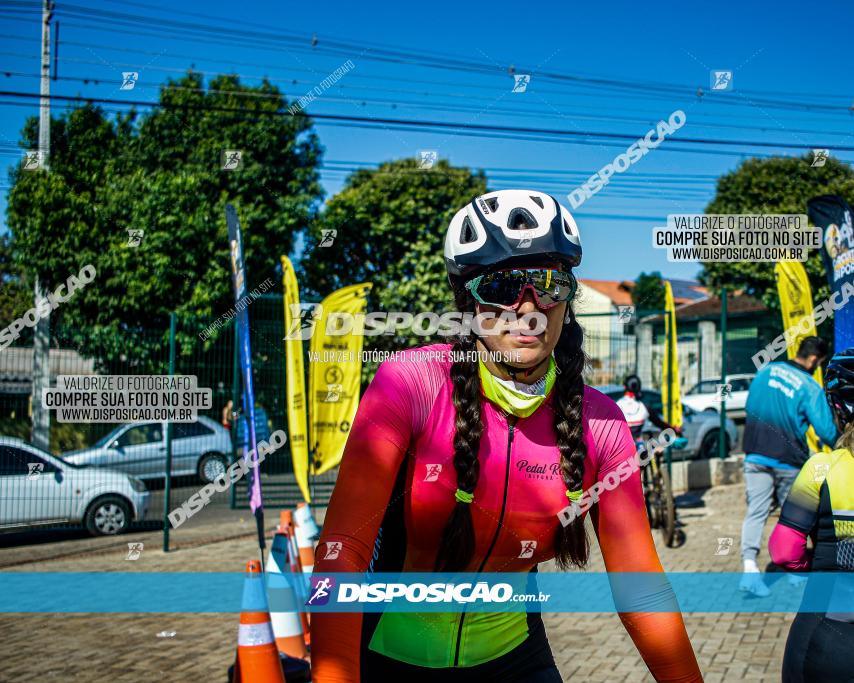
<point x="458" y="541"/>
<point x="572" y="546"/>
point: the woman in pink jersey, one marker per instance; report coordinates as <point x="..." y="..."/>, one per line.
<point x="467" y="456"/>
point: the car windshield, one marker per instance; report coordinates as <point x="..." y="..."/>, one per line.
<point x="104" y="440"/>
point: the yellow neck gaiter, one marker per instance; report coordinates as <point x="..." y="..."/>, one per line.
<point x="512" y="400"/>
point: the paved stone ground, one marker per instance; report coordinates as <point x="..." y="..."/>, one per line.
<point x="112" y="648"/>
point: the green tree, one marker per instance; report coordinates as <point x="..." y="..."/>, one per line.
<point x="648" y="292"/>
<point x="775" y="185"/>
<point x="161" y="173"/>
<point x="390" y="225"/>
<point x="15" y="296"/>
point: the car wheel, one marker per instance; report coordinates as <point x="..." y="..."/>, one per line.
<point x="709" y="447"/>
<point x="108" y="516"/>
<point x="212" y="466"/>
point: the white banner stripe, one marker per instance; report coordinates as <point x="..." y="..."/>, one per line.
<point x="255" y="634"/>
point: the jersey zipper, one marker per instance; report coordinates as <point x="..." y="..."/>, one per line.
<point x="511" y="427"/>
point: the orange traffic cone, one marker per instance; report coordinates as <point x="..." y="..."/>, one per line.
<point x="257" y="656"/>
<point x="284" y="599"/>
<point x="286" y="525"/>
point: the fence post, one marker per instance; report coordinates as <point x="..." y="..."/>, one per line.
<point x="235" y="401"/>
<point x="167" y="484"/>
<point x="670" y="346"/>
<point x="722" y="431"/>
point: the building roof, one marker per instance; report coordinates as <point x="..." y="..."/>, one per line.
<point x="687" y="291"/>
<point x="618" y="291"/>
<point x="710" y="309"/>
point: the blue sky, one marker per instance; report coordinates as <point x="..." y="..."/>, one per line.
<point x="782" y="57"/>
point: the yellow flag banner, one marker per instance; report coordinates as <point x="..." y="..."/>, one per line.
<point x="795" y="293"/>
<point x="335" y="372"/>
<point x="670" y="395"/>
<point x="295" y="379"/>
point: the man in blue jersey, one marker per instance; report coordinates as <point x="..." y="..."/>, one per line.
<point x="784" y="401"/>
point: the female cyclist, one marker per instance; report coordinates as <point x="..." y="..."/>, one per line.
<point x="461" y="461"/>
<point x="821" y="506"/>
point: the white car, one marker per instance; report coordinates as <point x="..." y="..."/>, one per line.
<point x="202" y="448"/>
<point x="704" y="396"/>
<point x="39" y="489"/>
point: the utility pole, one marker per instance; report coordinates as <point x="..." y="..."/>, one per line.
<point x="41" y="342"/>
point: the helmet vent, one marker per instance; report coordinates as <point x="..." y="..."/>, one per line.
<point x="538" y="201"/>
<point x="468" y="234"/>
<point x="492" y="203"/>
<point x="566" y="227"/>
<point x="521" y="219"/>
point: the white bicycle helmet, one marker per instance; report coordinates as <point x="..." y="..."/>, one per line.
<point x="510" y="228"/>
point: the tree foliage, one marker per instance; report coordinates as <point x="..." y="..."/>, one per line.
<point x="390" y="225"/>
<point x="648" y="292"/>
<point x="161" y="173"/>
<point x="775" y="185"/>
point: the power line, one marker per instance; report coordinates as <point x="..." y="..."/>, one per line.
<point x="443" y="125"/>
<point x="367" y="51"/>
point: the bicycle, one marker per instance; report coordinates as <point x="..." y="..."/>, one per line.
<point x="658" y="495"/>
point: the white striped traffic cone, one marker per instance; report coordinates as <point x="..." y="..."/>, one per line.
<point x="304" y="518"/>
<point x="284" y="599"/>
<point x="306" y="534"/>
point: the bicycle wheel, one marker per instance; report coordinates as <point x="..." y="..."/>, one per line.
<point x="667" y="508"/>
<point x="649" y="496"/>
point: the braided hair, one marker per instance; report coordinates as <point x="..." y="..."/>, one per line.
<point x="458" y="542"/>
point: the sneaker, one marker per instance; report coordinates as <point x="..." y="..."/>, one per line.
<point x="751" y="582"/>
